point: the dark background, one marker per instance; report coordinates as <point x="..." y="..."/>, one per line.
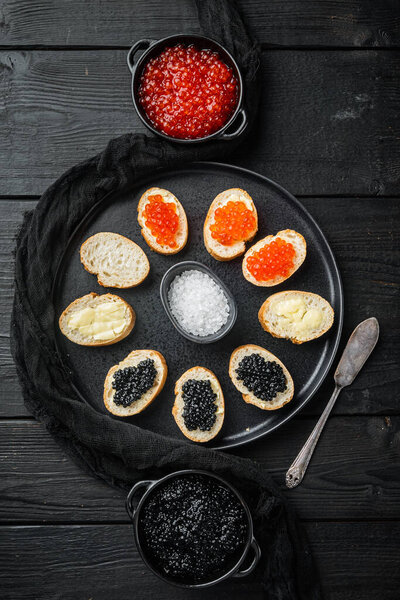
<point x="329" y="132"/>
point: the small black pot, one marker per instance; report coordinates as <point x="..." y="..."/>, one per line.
<point x="153" y="48"/>
<point x="134" y="514"/>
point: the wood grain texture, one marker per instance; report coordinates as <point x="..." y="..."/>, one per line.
<point x="328" y="125"/>
<point x="12" y="213"/>
<point x="357" y="561"/>
<point x="365" y="238"/>
<point x="355" y="473"/>
<point x="328" y="120"/>
<point x="293" y="22"/>
<point x="364" y="234"/>
<point x="100" y="562"/>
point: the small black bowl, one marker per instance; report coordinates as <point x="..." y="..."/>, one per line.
<point x="192" y="265"/>
<point x="135" y="505"/>
<point x="153" y="48"/>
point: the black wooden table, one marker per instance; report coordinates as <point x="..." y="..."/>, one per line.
<point x="329" y="132"/>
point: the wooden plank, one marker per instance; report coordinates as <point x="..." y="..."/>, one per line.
<point x="364" y="234"/>
<point x="11" y="219"/>
<point x="98" y="562"/>
<point x="356" y="562"/>
<point x="327" y="121"/>
<point x="294" y="22"/>
<point x="354" y="474"/>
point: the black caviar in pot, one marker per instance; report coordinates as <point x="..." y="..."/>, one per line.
<point x="193" y="528"/>
<point x="131" y="383"/>
<point x="262" y="377"/>
<point x="199" y="404"/>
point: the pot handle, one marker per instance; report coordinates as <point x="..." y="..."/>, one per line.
<point x="130" y="509"/>
<point x="139" y="45"/>
<point x="242" y="117"/>
<point x="257" y="554"/>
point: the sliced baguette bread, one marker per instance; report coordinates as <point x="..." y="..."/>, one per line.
<point x="290" y="236"/>
<point x="94" y="320"/>
<point x="181" y="234"/>
<point x="296" y="316"/>
<point x="214" y="247"/>
<point x="116" y="260"/>
<point x="132" y="360"/>
<point x="200" y="374"/>
<point x="280" y="399"/>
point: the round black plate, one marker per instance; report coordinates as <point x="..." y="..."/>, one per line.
<point x="196" y="186"/>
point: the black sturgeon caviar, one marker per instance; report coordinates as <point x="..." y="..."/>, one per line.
<point x="262" y="377"/>
<point x="199" y="404"/>
<point x="193" y="528"/>
<point x="131" y="383"/>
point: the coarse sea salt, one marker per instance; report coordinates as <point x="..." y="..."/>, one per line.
<point x="198" y="303"/>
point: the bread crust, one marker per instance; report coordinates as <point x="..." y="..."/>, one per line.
<point x="120" y="337"/>
<point x="108" y="384"/>
<point x="206" y="228"/>
<point x="266" y="324"/>
<point x="300" y="257"/>
<point x="92" y="271"/>
<point x="147" y="235"/>
<point x="175" y="408"/>
<point x="250" y="398"/>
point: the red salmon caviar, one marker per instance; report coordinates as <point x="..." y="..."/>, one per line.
<point x="272" y="260"/>
<point x="188" y="93"/>
<point x="162" y="220"/>
<point x="233" y="222"/>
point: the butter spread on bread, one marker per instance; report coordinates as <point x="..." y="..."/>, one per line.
<point x="295" y="315"/>
<point x="94" y="320"/>
<point x="102" y="322"/>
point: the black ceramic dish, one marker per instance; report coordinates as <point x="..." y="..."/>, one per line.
<point x="152" y="48"/>
<point x="190" y="265"/>
<point x="135" y="505"/>
<point x="196" y="186"/>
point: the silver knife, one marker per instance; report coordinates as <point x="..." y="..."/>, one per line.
<point x="360" y="345"/>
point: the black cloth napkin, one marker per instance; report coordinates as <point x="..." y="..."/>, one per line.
<point x="118" y="451"/>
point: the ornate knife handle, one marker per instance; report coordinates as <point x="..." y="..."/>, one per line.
<point x="299" y="466"/>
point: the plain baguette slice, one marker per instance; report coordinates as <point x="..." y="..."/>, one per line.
<point x="217" y="250"/>
<point x="132" y="360"/>
<point x="182" y="233"/>
<point x="290" y="236"/>
<point x="90" y="301"/>
<point x="116" y="260"/>
<point x="280" y="399"/>
<point x="270" y="320"/>
<point x="200" y="373"/>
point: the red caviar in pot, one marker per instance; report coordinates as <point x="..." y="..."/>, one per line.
<point x="162" y="220"/>
<point x="188" y="93"/>
<point x="275" y="259"/>
<point x="233" y="222"/>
